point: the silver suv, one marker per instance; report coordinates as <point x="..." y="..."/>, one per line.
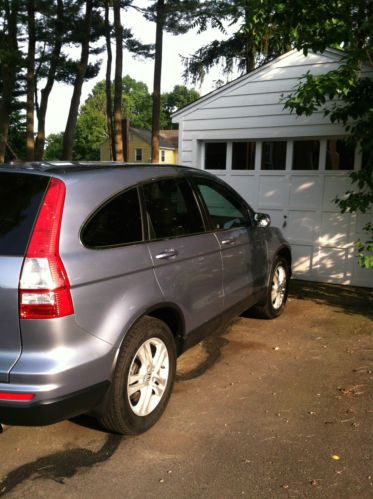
<point x="108" y="272"/>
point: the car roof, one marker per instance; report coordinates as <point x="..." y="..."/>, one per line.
<point x="69" y="167"/>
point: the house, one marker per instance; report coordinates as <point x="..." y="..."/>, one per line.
<point x="140" y="146"/>
<point x="288" y="166"/>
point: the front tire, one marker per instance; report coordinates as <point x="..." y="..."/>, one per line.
<point x="277" y="292"/>
<point x="143" y="378"/>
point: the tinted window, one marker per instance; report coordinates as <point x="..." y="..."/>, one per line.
<point x="171" y="208"/>
<point x="118" y="222"/>
<point x="340" y="155"/>
<point x="215" y="155"/>
<point x="274" y="155"/>
<point x="224" y="208"/>
<point x="306" y="155"/>
<point x="20" y="199"/>
<point x="243" y="156"/>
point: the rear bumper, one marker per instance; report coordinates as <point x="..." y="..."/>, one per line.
<point x="46" y="411"/>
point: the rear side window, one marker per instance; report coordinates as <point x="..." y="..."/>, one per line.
<point x="171" y="209"/>
<point x="116" y="223"/>
<point x="20" y="198"/>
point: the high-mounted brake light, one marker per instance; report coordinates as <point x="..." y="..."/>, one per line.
<point x="44" y="288"/>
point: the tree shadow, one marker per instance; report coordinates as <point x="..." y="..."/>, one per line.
<point x="60" y="465"/>
<point x="349" y="299"/>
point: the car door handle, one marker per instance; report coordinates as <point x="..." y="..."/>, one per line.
<point x="226" y="242"/>
<point x="166" y="254"/>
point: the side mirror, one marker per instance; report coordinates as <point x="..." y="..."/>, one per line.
<point x="262" y="220"/>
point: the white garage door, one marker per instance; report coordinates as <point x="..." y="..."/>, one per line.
<point x="301" y="204"/>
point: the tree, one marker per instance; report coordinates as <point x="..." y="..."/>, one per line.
<point x="10" y="61"/>
<point x="30" y="78"/>
<point x="118" y="29"/>
<point x="49" y="63"/>
<point x="171" y="102"/>
<point x="81" y="71"/>
<point x="109" y="99"/>
<point x="91" y="128"/>
<point x="175" y="17"/>
<point x="254" y="41"/>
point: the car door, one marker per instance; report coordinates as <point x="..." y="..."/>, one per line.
<point x="243" y="250"/>
<point x="186" y="258"/>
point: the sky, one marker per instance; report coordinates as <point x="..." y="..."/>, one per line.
<point x="142" y="70"/>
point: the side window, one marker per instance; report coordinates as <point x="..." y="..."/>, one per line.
<point x="116" y="223"/>
<point x="225" y="210"/>
<point x="171" y="209"/>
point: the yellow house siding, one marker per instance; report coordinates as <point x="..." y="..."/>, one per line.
<point x="170" y="156"/>
<point x="136" y="142"/>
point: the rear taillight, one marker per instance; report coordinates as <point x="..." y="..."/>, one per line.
<point x="44" y="288"/>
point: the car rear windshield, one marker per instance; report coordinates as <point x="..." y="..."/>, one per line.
<point x="20" y="198"/>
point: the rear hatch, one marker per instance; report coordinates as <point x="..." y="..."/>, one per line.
<point x="20" y="197"/>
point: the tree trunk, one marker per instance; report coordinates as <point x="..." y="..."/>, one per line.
<point x="8" y="72"/>
<point x="157" y="81"/>
<point x="30" y="79"/>
<point x="118" y="82"/>
<point x="45" y="93"/>
<point x="109" y="100"/>
<point x="68" y="138"/>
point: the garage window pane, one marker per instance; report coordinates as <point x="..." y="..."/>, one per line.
<point x="243" y="156"/>
<point x="215" y="155"/>
<point x="306" y="155"/>
<point x="274" y="155"/>
<point x="340" y="155"/>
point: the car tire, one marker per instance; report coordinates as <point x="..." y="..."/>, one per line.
<point x="143" y="378"/>
<point x="277" y="292"/>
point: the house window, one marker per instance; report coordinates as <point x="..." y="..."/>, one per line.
<point x="274" y="155"/>
<point x="215" y="155"/>
<point x="138" y="154"/>
<point x="243" y="156"/>
<point x="163" y="155"/>
<point x="306" y="155"/>
<point x="339" y="155"/>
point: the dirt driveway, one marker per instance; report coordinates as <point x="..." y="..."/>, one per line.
<point x="267" y="409"/>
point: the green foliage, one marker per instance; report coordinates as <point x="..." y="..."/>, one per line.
<point x="53" y="151"/>
<point x="91" y="129"/>
<point x="255" y="41"/>
<point x="345" y="95"/>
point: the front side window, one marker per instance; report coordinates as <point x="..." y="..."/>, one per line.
<point x="215" y="155"/>
<point x="243" y="156"/>
<point x="117" y="223"/>
<point x="306" y="155"/>
<point x="171" y="209"/>
<point x="225" y="210"/>
<point x="274" y="155"/>
<point x="138" y="154"/>
<point x="339" y="155"/>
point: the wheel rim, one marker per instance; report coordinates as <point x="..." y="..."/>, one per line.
<point x="148" y="375"/>
<point x="278" y="287"/>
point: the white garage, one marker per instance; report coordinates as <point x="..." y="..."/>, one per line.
<point x="290" y="167"/>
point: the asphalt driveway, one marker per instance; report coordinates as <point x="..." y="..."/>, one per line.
<point x="264" y="409"/>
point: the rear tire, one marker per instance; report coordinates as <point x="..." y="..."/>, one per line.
<point x="143" y="378"/>
<point x="277" y="292"/>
